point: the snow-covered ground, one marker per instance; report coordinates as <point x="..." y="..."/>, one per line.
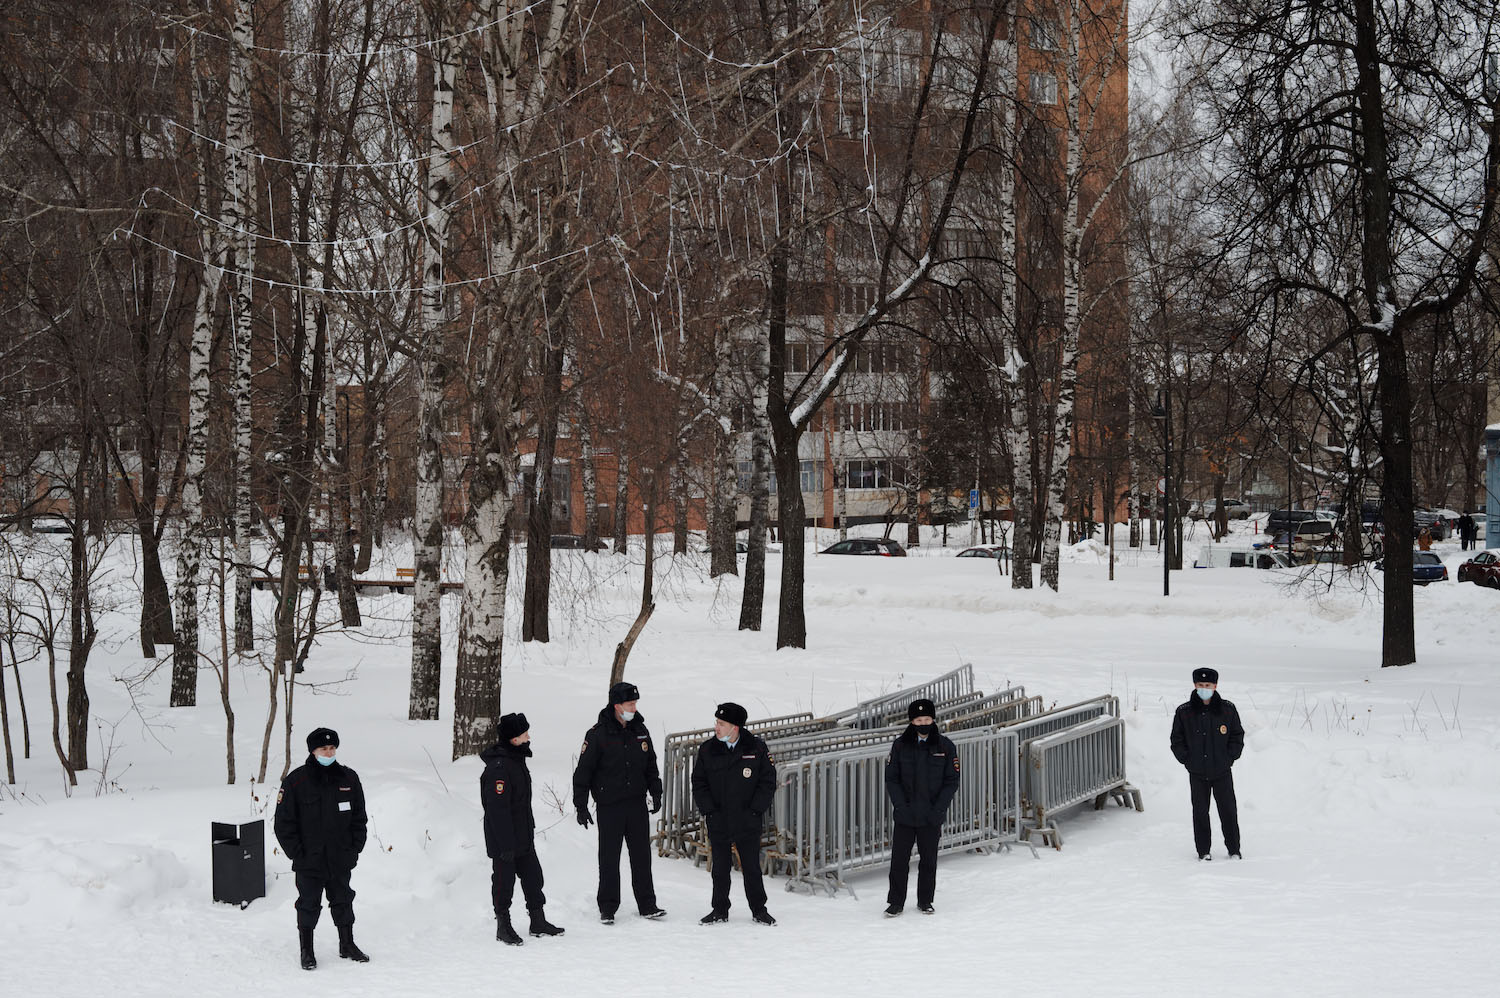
<point x="1369" y="799"/>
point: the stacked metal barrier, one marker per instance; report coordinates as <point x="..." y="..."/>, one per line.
<point x="948" y="686"/>
<point x="1083" y="763"/>
<point x="679" y="821"/>
<point x="831" y="816"/>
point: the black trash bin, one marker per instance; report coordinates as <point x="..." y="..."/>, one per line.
<point x="239" y="862"/>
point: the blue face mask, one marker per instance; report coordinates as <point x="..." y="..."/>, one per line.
<point x="627" y="715"/>
<point x="725" y="739"/>
<point x="1204" y="694"/>
<point x="324" y="760"/>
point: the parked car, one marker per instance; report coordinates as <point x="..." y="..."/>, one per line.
<point x="1483" y="570"/>
<point x="1282" y="520"/>
<point x="1426" y="567"/>
<point x="1234" y="509"/>
<point x="867" y="545"/>
<point x="1222" y="556"/>
<point x="985" y="551"/>
<point x="1439" y="523"/>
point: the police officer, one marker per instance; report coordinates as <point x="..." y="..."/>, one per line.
<point x="1207" y="738"/>
<point x="734" y="781"/>
<point x="321" y="825"/>
<point x="921" y="777"/>
<point x="617" y="764"/>
<point x="510" y="830"/>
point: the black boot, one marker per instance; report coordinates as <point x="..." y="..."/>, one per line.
<point x="347" y="949"/>
<point x="304" y="940"/>
<point x="504" y="933"/>
<point x="540" y="926"/>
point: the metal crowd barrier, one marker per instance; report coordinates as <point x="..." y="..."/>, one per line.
<point x="897" y="715"/>
<point x="1006" y="707"/>
<point x="832" y="816"/>
<point x="679" y="818"/>
<point x="1081" y="763"/>
<point x="948" y="686"/>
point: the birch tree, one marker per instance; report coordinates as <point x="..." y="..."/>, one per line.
<point x="427" y="523"/>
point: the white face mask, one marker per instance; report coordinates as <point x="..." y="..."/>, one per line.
<point x="1205" y="694"/>
<point x="627" y="715"/>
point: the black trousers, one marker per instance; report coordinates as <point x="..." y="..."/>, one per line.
<point x="743" y="835"/>
<point x="312" y="885"/>
<point x="503" y="877"/>
<point x="926" y="841"/>
<point x="1221" y="788"/>
<point x="625" y="823"/>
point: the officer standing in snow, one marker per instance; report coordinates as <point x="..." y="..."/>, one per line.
<point x="321" y="825"/>
<point x="1207" y="738"/>
<point x="921" y="777"/>
<point x="734" y="781"/>
<point x="510" y="829"/>
<point x="617" y="764"/>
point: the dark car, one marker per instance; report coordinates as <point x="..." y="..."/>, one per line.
<point x="867" y="545"/>
<point x="1439" y="525"/>
<point x="1425" y="567"/>
<point x="1483" y="570"/>
<point x="574" y="542"/>
<point x="1281" y="520"/>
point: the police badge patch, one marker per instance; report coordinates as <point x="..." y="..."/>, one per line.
<point x="499" y="786"/>
<point x="645" y="746"/>
<point x="1223" y="729"/>
<point x="746" y="772"/>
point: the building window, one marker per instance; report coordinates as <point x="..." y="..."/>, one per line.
<point x="812" y="476"/>
<point x="866" y="416"/>
<point x="1044" y="34"/>
<point x="874" y="473"/>
<point x="798" y="356"/>
<point x="856" y="299"/>
<point x="1043" y="89"/>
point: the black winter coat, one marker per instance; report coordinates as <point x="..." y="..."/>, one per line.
<point x="320" y="817"/>
<point x="1207" y="736"/>
<point x="732" y="789"/>
<point x="921" y="777"/>
<point x="505" y="790"/>
<point x="617" y="762"/>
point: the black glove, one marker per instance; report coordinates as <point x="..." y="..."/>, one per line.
<point x="655" y="803"/>
<point x="583" y="817"/>
<point x="508" y="856"/>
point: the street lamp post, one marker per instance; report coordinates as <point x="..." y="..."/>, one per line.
<point x="1162" y="410"/>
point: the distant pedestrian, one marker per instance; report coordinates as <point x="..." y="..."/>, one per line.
<point x="734" y="781"/>
<point x="1424" y="540"/>
<point x="617" y="765"/>
<point x="1468" y="530"/>
<point x="321" y="825"/>
<point x="1207" y="739"/>
<point x="510" y="830"/>
<point x="921" y="777"/>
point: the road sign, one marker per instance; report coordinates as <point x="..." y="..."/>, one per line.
<point x="973" y="498"/>
<point x="1161" y="486"/>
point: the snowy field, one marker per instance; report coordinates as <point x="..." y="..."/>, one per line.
<point x="1369" y="799"/>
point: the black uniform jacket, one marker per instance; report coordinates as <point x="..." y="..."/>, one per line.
<point x="320" y="817"/>
<point x="921" y="777"/>
<point x="505" y="789"/>
<point x="732" y="789"/>
<point x="617" y="762"/>
<point x="1207" y="736"/>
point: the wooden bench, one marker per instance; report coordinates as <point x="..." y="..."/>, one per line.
<point x="404" y="582"/>
<point x="304" y="575"/>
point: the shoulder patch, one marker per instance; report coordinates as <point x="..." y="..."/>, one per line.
<point x="585" y="747"/>
<point x="499" y="786"/>
<point x="280" y="794"/>
<point x="955" y="764"/>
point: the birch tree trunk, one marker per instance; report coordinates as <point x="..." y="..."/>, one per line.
<point x="590" y="484"/>
<point x="722" y="481"/>
<point x="622" y="495"/>
<point x="1072" y="249"/>
<point x="239" y="219"/>
<point x="678" y="488"/>
<point x="534" y="624"/>
<point x="752" y="599"/>
<point x="427" y="522"/>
